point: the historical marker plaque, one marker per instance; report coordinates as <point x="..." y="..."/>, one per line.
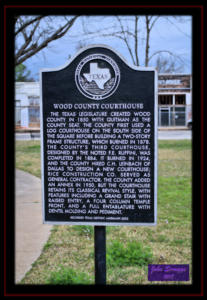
<point x="99" y="141"/>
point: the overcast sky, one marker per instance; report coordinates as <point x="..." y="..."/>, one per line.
<point x="173" y="35"/>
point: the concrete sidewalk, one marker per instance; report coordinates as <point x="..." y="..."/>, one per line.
<point x="30" y="232"/>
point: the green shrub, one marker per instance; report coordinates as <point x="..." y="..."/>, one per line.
<point x="67" y="275"/>
<point x="133" y="253"/>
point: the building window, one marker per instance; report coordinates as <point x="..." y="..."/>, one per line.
<point x="179" y="116"/>
<point x="165" y="99"/>
<point x="34" y="111"/>
<point x="34" y="117"/>
<point x="34" y="100"/>
<point x="180" y="100"/>
<point x="172" y="116"/>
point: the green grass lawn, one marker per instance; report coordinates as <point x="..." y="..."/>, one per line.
<point x="68" y="255"/>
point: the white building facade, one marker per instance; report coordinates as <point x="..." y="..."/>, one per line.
<point x="27" y="103"/>
<point x="174" y="102"/>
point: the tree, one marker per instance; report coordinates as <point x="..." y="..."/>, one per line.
<point x="126" y="34"/>
<point x="132" y="38"/>
<point x="150" y="22"/>
<point x="22" y="74"/>
<point x="135" y="32"/>
<point x="34" y="33"/>
<point x="167" y="65"/>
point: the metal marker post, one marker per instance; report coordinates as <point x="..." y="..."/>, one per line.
<point x="100" y="254"/>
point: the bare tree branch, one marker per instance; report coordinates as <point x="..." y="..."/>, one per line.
<point x="153" y="22"/>
<point x="28" y="39"/>
<point x="147" y="20"/>
<point x="131" y="30"/>
<point x="166" y="65"/>
<point x="149" y="27"/>
<point x="26" y="24"/>
<point x="166" y="51"/>
<point x="35" y="36"/>
<point x="136" y="40"/>
<point x="125" y="39"/>
<point x="178" y="28"/>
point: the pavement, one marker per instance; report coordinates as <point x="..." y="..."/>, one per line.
<point x="30" y="232"/>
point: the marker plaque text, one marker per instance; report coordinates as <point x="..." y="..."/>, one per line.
<point x="99" y="141"/>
